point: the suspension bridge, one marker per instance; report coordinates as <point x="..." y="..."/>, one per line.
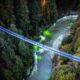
<point x="45" y="47"/>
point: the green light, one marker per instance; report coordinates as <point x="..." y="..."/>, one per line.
<point x="47" y="33"/>
<point x="35" y="47"/>
<point x="39" y="58"/>
<point x="40" y="49"/>
<point x="42" y="38"/>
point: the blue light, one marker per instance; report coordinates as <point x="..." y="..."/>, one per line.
<point x="70" y="56"/>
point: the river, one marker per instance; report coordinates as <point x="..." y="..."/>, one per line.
<point x="44" y="67"/>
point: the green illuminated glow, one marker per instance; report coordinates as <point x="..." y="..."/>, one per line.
<point x="39" y="58"/>
<point x="35" y="47"/>
<point x="42" y="38"/>
<point x="41" y="50"/>
<point x="47" y="33"/>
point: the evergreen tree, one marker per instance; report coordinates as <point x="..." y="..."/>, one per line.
<point x="53" y="10"/>
<point x="22" y="14"/>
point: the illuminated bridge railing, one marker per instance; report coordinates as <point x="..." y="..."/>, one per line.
<point x="70" y="56"/>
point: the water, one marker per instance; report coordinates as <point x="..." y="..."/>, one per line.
<point x="42" y="70"/>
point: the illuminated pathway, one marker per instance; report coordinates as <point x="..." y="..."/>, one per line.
<point x="62" y="23"/>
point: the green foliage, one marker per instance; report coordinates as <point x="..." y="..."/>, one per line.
<point x="23" y="48"/>
<point x="16" y="62"/>
<point x="23" y="17"/>
<point x="77" y="41"/>
<point x="67" y="40"/>
<point x="22" y="14"/>
<point x="15" y="55"/>
<point x="53" y="10"/>
<point x="64" y="72"/>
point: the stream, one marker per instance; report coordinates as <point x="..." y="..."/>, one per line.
<point x="43" y="68"/>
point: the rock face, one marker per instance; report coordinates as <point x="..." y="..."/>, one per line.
<point x="24" y="17"/>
